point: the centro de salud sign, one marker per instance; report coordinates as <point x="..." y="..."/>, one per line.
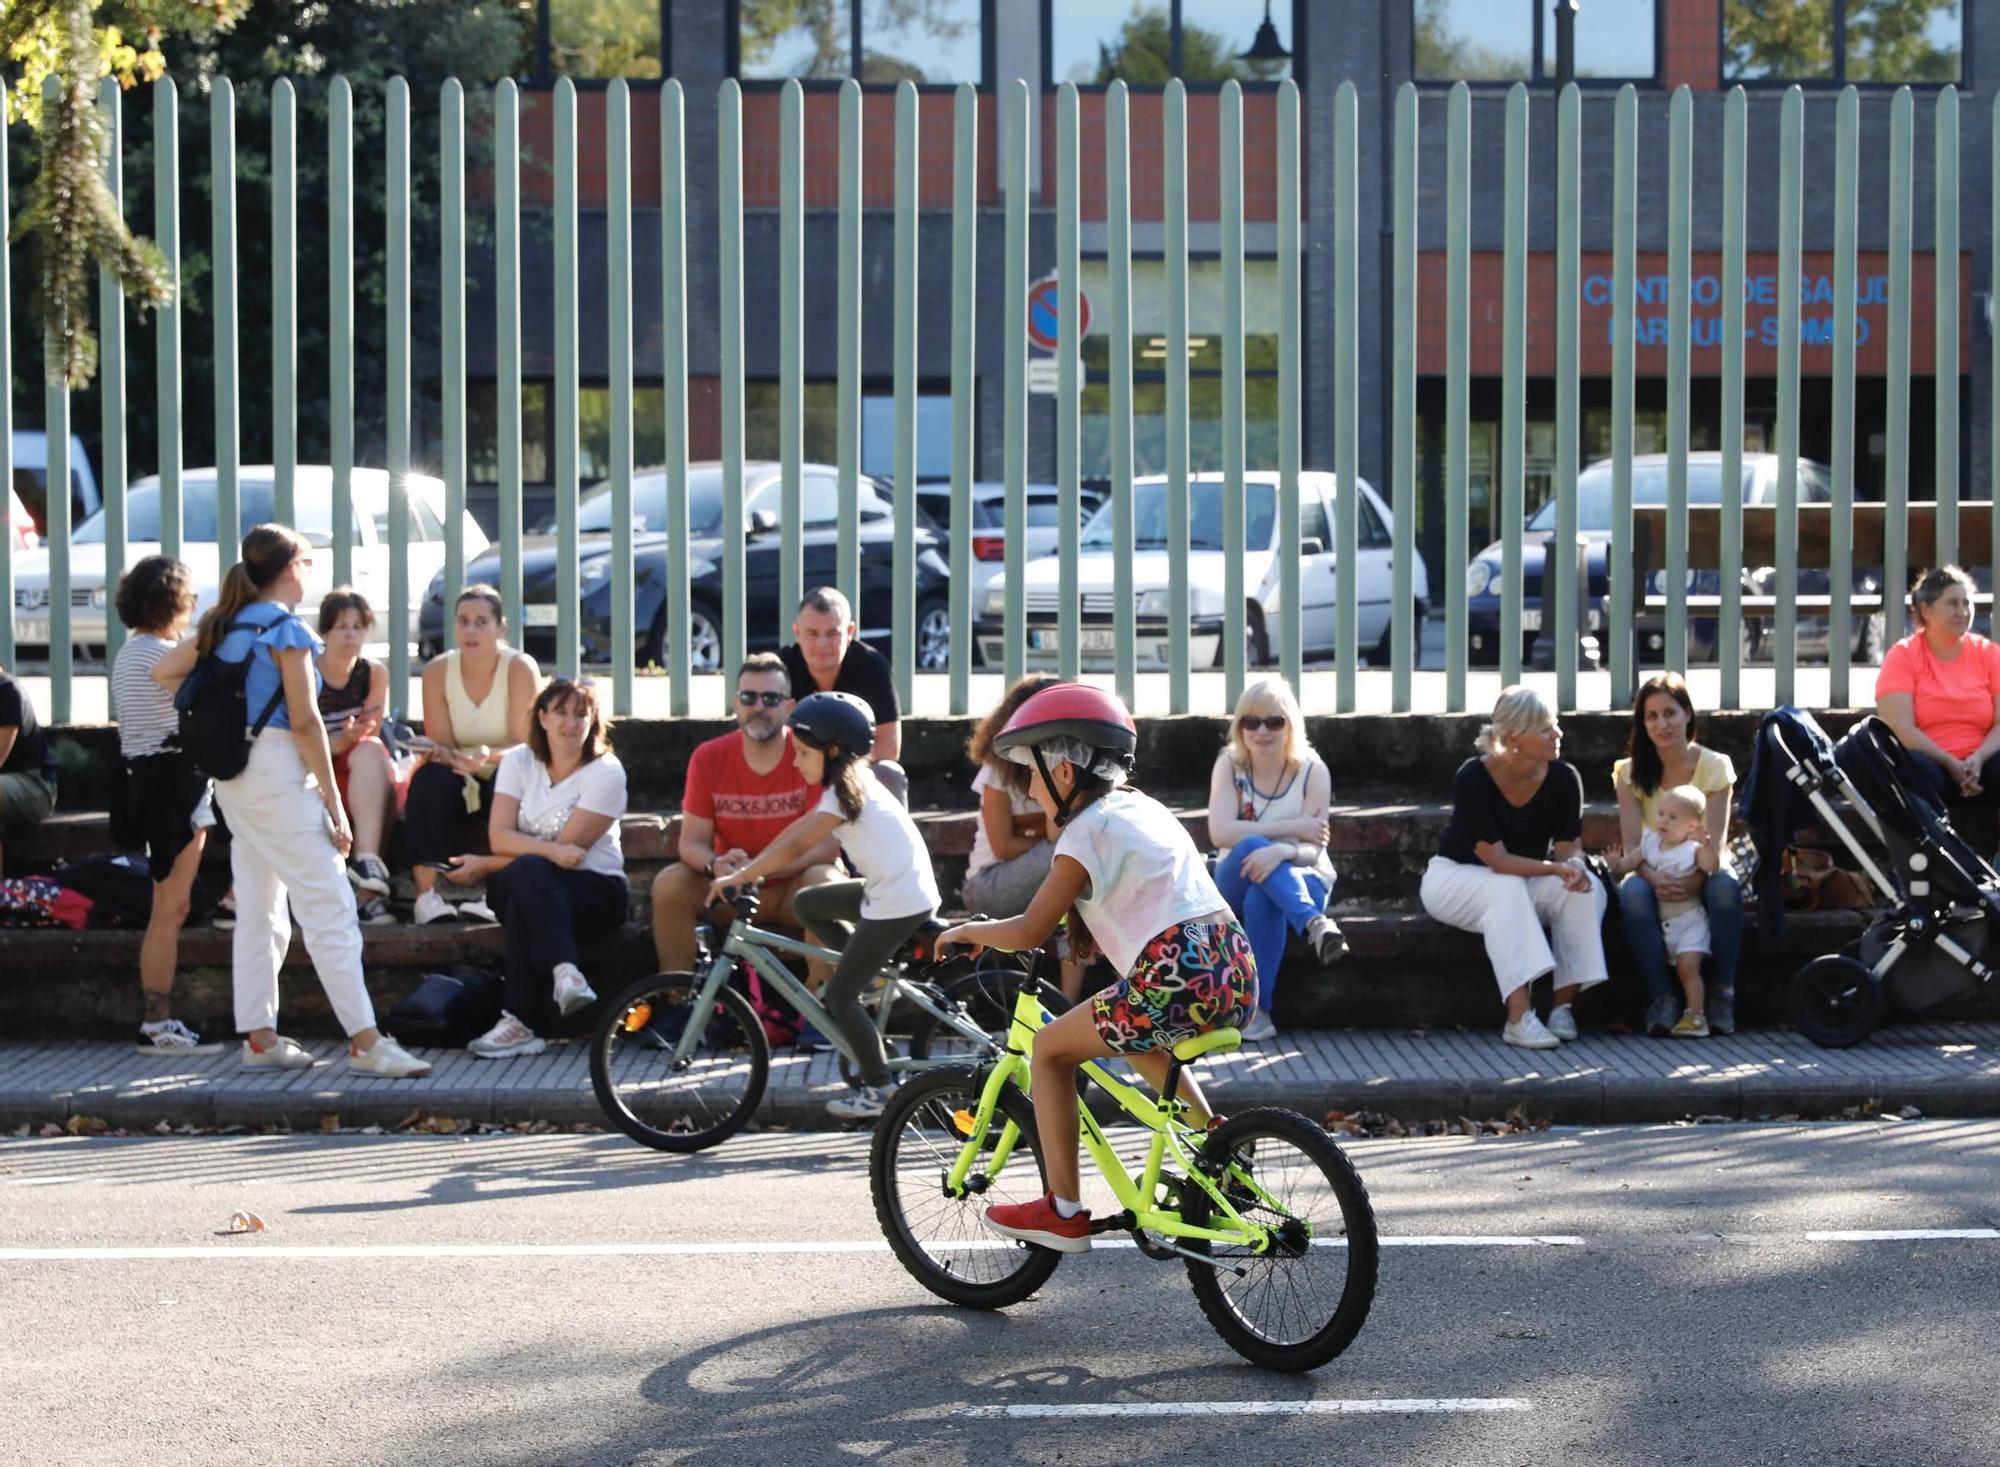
<point x="1651" y="319"/>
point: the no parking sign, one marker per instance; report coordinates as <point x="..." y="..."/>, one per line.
<point x="1044" y="323"/>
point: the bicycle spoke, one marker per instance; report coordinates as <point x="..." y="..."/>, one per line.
<point x="1287" y="1294"/>
<point x="950" y="1230"/>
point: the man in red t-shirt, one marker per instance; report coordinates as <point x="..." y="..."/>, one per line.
<point x="742" y="791"/>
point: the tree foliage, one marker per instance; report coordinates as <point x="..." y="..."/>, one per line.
<point x="1143" y="54"/>
<point x="71" y="216"/>
<point x="1887" y="40"/>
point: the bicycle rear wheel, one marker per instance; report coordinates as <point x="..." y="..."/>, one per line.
<point x="1297" y="1306"/>
<point x="942" y="1240"/>
<point x="687" y="1105"/>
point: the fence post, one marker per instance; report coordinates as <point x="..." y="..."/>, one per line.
<point x="1291" y="617"/>
<point x="284" y="302"/>
<point x="618" y="350"/>
<point x="1735" y="149"/>
<point x="396" y="615"/>
<point x="1174" y="143"/>
<point x="569" y="650"/>
<point x="1680" y="213"/>
<point x="1513" y="485"/>
<point x="729" y="223"/>
<point x="1896" y="468"/>
<point x="1624" y="246"/>
<point x="1118" y="326"/>
<point x="1840" y="571"/>
<point x="1014" y="333"/>
<point x="167" y="318"/>
<point x="1560" y="612"/>
<point x="1069" y="389"/>
<point x="964" y="325"/>
<point x="1234" y="593"/>
<point x="1791" y="211"/>
<point x="1346" y="387"/>
<point x="111" y="390"/>
<point x="791" y="347"/>
<point x="340" y="337"/>
<point x="1457" y="388"/>
<point x="903" y="597"/>
<point x="222" y="291"/>
<point x="847" y="351"/>
<point x="1403" y="448"/>
<point x="451" y="282"/>
<point x="507" y="346"/>
<point x="1944" y="281"/>
<point x="678" y="641"/>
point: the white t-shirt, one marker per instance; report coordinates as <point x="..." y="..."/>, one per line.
<point x="598" y="787"/>
<point x="1674" y="861"/>
<point x="1018" y="804"/>
<point x="1145" y="873"/>
<point x="887" y="851"/>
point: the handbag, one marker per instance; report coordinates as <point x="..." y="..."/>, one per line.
<point x="1812" y="883"/>
<point x="448" y="1010"/>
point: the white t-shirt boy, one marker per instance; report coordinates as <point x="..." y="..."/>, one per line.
<point x="598" y="787"/>
<point x="1145" y="874"/>
<point x="887" y="851"/>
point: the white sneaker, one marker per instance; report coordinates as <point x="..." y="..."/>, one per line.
<point x="170" y="1036"/>
<point x="865" y="1104"/>
<point x="476" y="910"/>
<point x="1562" y="1022"/>
<point x="1529" y="1032"/>
<point x="1260" y="1029"/>
<point x="388" y="1059"/>
<point x="369" y="873"/>
<point x="284" y="1054"/>
<point x="433" y="908"/>
<point x="508" y="1039"/>
<point x="573" y="990"/>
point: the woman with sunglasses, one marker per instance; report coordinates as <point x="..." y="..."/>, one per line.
<point x="1268" y="798"/>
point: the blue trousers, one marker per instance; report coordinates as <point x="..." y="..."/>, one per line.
<point x="1723" y="897"/>
<point x="1271" y="909"/>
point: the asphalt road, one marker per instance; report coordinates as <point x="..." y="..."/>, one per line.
<point x="1681" y="1314"/>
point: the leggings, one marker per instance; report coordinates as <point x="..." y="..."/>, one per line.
<point x="831" y="914"/>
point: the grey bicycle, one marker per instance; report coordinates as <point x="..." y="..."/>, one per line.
<point x="680" y="1061"/>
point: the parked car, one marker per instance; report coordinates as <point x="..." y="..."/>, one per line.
<point x="313" y="490"/>
<point x="31" y="479"/>
<point x="989" y="524"/>
<point x="21" y="524"/>
<point x="1484" y="580"/>
<point x="1205" y="609"/>
<point x="768" y="625"/>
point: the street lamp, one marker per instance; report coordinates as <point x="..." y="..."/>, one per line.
<point x="1266" y="46"/>
<point x="1565" y="41"/>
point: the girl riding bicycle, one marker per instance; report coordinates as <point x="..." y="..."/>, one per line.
<point x="868" y="919"/>
<point x="1138" y="891"/>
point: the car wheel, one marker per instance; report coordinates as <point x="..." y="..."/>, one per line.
<point x="933" y="637"/>
<point x="704" y="640"/>
<point x="1384" y="651"/>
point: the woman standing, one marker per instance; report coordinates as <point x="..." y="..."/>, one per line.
<point x="477" y="708"/>
<point x="167" y="805"/>
<point x="1663" y="756"/>
<point x="353" y="697"/>
<point x="1511" y="862"/>
<point x="1268" y="797"/>
<point x="556" y="877"/>
<point x="288" y="833"/>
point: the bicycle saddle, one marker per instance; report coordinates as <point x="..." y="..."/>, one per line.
<point x="918" y="946"/>
<point x="1215" y="1041"/>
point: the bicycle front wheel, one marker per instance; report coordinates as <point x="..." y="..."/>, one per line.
<point x="941" y="1239"/>
<point x="687" y="1104"/>
<point x="1303" y="1301"/>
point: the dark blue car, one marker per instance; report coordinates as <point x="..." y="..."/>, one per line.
<point x="1649" y="486"/>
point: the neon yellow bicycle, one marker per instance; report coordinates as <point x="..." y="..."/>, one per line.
<point x="1267" y="1213"/>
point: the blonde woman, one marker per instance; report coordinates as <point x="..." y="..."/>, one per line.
<point x="1267" y="806"/>
<point x="1511" y="863"/>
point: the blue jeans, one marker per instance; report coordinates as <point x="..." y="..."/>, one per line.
<point x="1723" y="897"/>
<point x="1282" y="903"/>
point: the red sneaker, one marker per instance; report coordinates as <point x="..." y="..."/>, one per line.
<point x="1039" y="1222"/>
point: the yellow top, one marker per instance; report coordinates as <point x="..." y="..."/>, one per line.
<point x="473" y="724"/>
<point x="1713" y="774"/>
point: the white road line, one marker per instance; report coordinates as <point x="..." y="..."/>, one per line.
<point x="1391" y="1406"/>
<point x="1864" y="1235"/>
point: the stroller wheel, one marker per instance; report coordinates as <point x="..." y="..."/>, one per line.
<point x="1836" y="1001"/>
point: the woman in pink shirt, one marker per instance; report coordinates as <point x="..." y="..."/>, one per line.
<point x="1939" y="689"/>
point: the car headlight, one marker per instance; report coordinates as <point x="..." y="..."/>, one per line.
<point x="1657" y="582"/>
<point x="97" y="599"/>
<point x="1153" y="602"/>
<point x="1479" y="578"/>
<point x="996" y="600"/>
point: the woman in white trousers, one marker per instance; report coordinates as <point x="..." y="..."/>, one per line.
<point x="289" y="836"/>
<point x="1510" y="864"/>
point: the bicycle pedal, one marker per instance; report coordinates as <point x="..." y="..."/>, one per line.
<point x="1118" y="1222"/>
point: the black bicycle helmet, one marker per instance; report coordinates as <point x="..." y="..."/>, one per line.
<point x="823" y="720"/>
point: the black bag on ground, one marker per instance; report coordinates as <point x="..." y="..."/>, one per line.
<point x="121" y="890"/>
<point x="215" y="724"/>
<point x="448" y="1010"/>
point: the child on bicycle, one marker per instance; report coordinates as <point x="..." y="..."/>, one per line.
<point x="867" y="919"/>
<point x="1137" y="890"/>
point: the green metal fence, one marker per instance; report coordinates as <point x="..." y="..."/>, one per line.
<point x="1017" y="108"/>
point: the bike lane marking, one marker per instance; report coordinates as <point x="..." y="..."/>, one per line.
<point x="1415" y="1405"/>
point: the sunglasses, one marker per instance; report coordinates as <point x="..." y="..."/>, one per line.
<point x="1275" y="723"/>
<point x="748" y="699"/>
<point x="560" y="680"/>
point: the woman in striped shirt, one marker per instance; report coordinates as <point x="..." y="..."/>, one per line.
<point x="166" y="804"/>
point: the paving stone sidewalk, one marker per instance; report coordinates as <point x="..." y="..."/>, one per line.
<point x="1942" y="1069"/>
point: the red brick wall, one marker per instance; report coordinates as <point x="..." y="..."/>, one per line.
<point x="1691" y="44"/>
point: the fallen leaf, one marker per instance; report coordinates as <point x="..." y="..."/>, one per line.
<point x="330" y="1122"/>
<point x="87" y="1126"/>
<point x="50" y="1128"/>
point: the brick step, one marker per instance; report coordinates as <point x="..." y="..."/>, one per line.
<point x="1406" y="971"/>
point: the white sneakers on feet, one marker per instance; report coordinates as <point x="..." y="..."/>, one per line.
<point x="387" y="1059"/>
<point x="1562" y="1022"/>
<point x="573" y="990"/>
<point x="1260" y="1029"/>
<point x="432" y="908"/>
<point x="1529" y="1032"/>
<point x="865" y="1104"/>
<point x="508" y="1039"/>
<point x="168" y="1036"/>
<point x="283" y="1054"/>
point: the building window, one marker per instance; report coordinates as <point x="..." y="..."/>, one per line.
<point x="1887" y="42"/>
<point x="1515" y="40"/>
<point x="878" y="435"/>
<point x="1149" y="42"/>
<point x="598" y="39"/>
<point x="482" y="433"/>
<point x="940" y="42"/>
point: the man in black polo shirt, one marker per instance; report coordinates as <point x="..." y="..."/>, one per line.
<point x="827" y="656"/>
<point x="27" y="763"/>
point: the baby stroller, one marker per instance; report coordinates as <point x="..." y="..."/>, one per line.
<point x="1941" y="899"/>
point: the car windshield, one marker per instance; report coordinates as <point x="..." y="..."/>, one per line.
<point x="1649" y="486"/>
<point x="142" y="513"/>
<point x="649" y="504"/>
<point x="1149" y="517"/>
